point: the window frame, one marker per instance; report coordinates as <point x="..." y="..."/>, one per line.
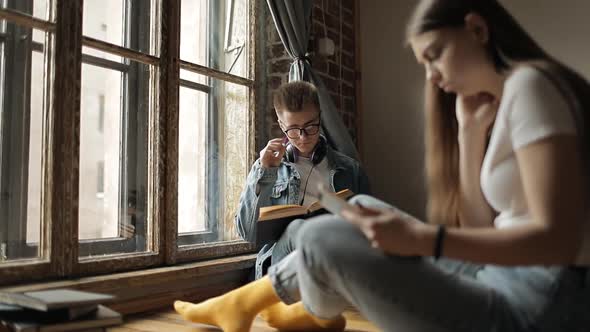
<point x="19" y="72"/>
<point x="60" y="256"/>
<point x="14" y="125"/>
<point x="132" y="92"/>
<point x="211" y="233"/>
<point x="186" y="252"/>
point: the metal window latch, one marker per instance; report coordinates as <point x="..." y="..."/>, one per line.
<point x="24" y="37"/>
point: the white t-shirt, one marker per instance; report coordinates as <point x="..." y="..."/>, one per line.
<point x="313" y="176"/>
<point x="532" y="108"/>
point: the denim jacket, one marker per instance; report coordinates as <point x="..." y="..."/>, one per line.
<point x="280" y="185"/>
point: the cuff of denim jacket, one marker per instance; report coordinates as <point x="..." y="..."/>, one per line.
<point x="267" y="174"/>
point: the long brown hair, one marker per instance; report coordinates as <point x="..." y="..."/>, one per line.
<point x="509" y="45"/>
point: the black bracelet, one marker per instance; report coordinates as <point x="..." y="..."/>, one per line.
<point x="438" y="244"/>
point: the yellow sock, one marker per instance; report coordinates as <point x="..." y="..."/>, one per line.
<point x="234" y="311"/>
<point x="295" y="318"/>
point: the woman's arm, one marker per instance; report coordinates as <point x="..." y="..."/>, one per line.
<point x="553" y="179"/>
<point x="474" y="210"/>
<point x="553" y="182"/>
<point x="475" y="116"/>
<point x="554" y="187"/>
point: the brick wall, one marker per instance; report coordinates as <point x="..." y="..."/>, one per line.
<point x="337" y="71"/>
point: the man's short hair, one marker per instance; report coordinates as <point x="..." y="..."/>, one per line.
<point x="293" y="96"/>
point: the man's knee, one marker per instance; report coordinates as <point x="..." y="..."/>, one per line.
<point x="286" y="243"/>
<point x="294" y="227"/>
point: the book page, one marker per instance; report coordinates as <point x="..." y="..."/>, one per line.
<point x="291" y="210"/>
<point x="280" y="211"/>
<point x="332" y="202"/>
<point x="316" y="205"/>
<point x="284" y="207"/>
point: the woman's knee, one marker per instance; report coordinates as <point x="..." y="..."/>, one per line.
<point x="314" y="228"/>
<point x="327" y="236"/>
<point x="370" y="201"/>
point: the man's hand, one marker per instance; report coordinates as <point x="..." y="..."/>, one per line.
<point x="272" y="153"/>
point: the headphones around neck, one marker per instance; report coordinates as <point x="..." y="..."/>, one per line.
<point x="318" y="154"/>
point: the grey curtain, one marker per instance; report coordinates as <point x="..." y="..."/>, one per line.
<point x="292" y="19"/>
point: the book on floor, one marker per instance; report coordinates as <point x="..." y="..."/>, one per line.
<point x="15" y="313"/>
<point x="102" y="317"/>
<point x="54" y="299"/>
<point x="273" y="220"/>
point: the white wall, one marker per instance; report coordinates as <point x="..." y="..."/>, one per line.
<point x="561" y="27"/>
<point x="392" y="85"/>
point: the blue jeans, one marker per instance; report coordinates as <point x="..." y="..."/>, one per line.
<point x="286" y="243"/>
<point x="272" y="253"/>
<point x="334" y="266"/>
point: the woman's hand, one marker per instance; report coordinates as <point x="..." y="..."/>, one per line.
<point x="476" y="113"/>
<point x="394" y="232"/>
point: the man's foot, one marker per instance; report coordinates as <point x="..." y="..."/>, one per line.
<point x="295" y="318"/>
<point x="234" y="311"/>
<point x="216" y="312"/>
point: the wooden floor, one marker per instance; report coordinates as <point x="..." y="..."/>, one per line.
<point x="170" y="321"/>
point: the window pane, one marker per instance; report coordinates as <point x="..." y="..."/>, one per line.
<point x="99" y="210"/>
<point x="234" y="165"/>
<point x="36" y="8"/>
<point x="215" y="34"/>
<point x="193" y="77"/>
<point x="213" y="160"/>
<point x="132" y="23"/>
<point x="35" y="153"/>
<point x="115" y="108"/>
<point x="23" y="102"/>
<point x="192" y="210"/>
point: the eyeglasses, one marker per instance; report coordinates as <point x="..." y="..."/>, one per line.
<point x="310" y="130"/>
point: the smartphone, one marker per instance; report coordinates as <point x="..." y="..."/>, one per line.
<point x="331" y="202"/>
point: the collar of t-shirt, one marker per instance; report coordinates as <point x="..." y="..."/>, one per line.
<point x="313" y="176"/>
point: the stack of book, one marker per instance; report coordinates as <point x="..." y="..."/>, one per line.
<point x="56" y="310"/>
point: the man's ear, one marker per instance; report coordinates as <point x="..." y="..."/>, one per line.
<point x="478" y="27"/>
<point x="279" y="120"/>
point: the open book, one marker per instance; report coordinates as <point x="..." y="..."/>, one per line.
<point x="273" y="220"/>
<point x="282" y="211"/>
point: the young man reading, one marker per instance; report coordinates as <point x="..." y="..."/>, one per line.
<point x="290" y="168"/>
